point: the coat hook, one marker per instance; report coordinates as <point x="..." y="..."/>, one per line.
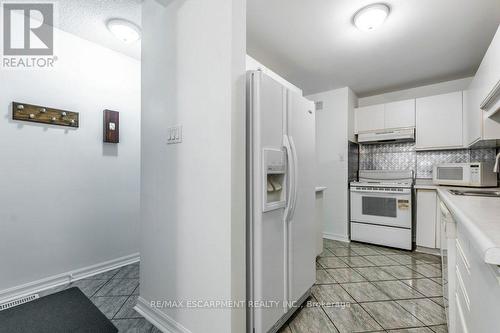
<point x="44" y="115"/>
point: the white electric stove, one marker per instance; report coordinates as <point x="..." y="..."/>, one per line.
<point x="382" y="208"/>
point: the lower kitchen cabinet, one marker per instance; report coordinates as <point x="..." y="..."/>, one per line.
<point x="474" y="295"/>
<point x="478" y="288"/>
<point x="427" y="228"/>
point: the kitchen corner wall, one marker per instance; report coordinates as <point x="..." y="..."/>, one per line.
<point x="334" y="127"/>
<point x="403" y="156"/>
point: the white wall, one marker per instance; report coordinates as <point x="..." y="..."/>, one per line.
<point x="252" y="64"/>
<point x="422" y="91"/>
<point x="67" y="200"/>
<point x="193" y="193"/>
<point x="333" y="128"/>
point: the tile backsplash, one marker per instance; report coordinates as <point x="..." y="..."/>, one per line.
<point x="353" y="162"/>
<point x="403" y="156"/>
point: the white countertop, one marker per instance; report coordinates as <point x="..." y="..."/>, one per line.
<point x="320" y="188"/>
<point x="481" y="217"/>
<point x="425" y="184"/>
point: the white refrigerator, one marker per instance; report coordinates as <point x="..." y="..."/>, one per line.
<point x="281" y="243"/>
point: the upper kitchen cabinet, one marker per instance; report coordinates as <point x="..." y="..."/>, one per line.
<point x="482" y="100"/>
<point x="369" y="118"/>
<point x="473" y="118"/>
<point x="400" y="114"/>
<point x="394" y="115"/>
<point x="439" y="121"/>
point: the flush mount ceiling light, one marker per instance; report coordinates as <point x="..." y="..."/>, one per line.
<point x="371" y="17"/>
<point x="124" y="30"/>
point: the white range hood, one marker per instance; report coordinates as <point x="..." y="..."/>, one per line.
<point x="387" y="136"/>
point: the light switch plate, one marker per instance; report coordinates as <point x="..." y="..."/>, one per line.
<point x="174" y="135"/>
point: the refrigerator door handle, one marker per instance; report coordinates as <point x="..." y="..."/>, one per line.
<point x="290" y="172"/>
<point x="295" y="178"/>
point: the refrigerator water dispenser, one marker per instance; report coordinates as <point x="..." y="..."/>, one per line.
<point x="274" y="177"/>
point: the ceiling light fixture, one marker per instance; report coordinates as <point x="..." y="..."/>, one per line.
<point x="124" y="30"/>
<point x="371" y="17"/>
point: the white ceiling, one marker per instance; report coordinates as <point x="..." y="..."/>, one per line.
<point x="87" y="19"/>
<point x="313" y="44"/>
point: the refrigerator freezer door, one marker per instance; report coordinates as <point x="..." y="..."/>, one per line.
<point x="290" y="173"/>
<point x="294" y="176"/>
<point x="266" y="230"/>
<point x="301" y="227"/>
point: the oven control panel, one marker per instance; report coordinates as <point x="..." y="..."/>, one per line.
<point x="381" y="189"/>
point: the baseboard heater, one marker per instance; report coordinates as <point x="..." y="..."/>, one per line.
<point x="18" y="301"/>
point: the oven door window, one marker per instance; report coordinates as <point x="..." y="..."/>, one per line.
<point x="380" y="206"/>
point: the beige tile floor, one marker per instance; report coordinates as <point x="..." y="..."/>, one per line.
<point x="367" y="288"/>
<point x="359" y="288"/>
<point x="115" y="294"/>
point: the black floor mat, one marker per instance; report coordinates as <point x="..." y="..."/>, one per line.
<point x="66" y="311"/>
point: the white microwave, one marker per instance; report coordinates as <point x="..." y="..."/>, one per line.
<point x="478" y="174"/>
